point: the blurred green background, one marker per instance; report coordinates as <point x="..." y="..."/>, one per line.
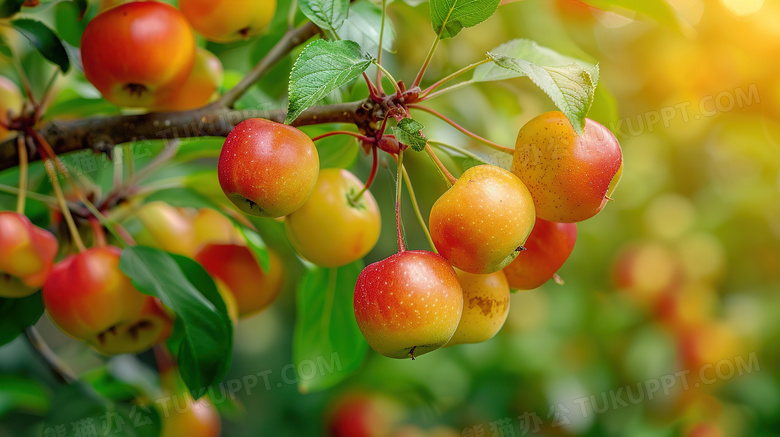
<point x="667" y="322"/>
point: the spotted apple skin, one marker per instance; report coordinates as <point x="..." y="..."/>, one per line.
<point x="408" y="304"/>
<point x="570" y="177"/>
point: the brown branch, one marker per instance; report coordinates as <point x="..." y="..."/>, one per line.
<point x="100" y="134"/>
<point x="289" y="41"/>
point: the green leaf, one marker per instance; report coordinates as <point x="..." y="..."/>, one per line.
<point x="68" y="21"/>
<point x="258" y="247"/>
<point x="45" y="40"/>
<point x="449" y="17"/>
<point x="81" y="107"/>
<point x="185" y="287"/>
<point x="571" y="87"/>
<point x="326" y="334"/>
<point x="363" y="24"/>
<point x="409" y="132"/>
<point x="5" y="49"/>
<point x="9" y="8"/>
<point x="21" y="393"/>
<point x="527" y="50"/>
<point x="322" y="67"/>
<point x="82" y="6"/>
<point x="326" y="14"/>
<point x="18" y="314"/>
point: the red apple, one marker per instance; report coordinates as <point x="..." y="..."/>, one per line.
<point x="268" y="169"/>
<point x="408" y="304"/>
<point x="547" y="248"/>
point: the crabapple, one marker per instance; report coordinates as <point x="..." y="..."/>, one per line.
<point x="363" y="414"/>
<point x="228" y="21"/>
<point x="201" y="84"/>
<point x="480" y="223"/>
<point x="10" y="102"/>
<point x="267" y="169"/>
<point x="352" y="226"/>
<point x="87" y="295"/>
<point x="212" y="227"/>
<point x="138" y="54"/>
<point x="547" y="248"/>
<point x="26" y="255"/>
<point x="153" y="325"/>
<point x="238" y="269"/>
<point x="167" y="228"/>
<point x="569" y="176"/>
<point x="408" y="304"/>
<point x="485" y="307"/>
<point x="198" y="419"/>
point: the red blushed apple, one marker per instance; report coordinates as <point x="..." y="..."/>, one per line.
<point x="87" y="295"/>
<point x="137" y="54"/>
<point x="238" y="269"/>
<point x="197" y="419"/>
<point x="569" y="176"/>
<point x="199" y="88"/>
<point x="362" y="415"/>
<point x="481" y="222"/>
<point x="267" y="169"/>
<point x="408" y="304"/>
<point x="547" y="248"/>
<point x="26" y="255"/>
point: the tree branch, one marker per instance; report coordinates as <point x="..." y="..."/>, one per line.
<point x="291" y="39"/>
<point x="100" y="134"/>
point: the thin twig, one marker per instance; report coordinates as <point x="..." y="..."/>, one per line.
<point x="57" y="367"/>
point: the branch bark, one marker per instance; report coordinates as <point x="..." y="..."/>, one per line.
<point x="100" y="134"/>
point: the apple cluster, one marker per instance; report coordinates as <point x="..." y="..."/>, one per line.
<point x="143" y="54"/>
<point x="494" y="230"/>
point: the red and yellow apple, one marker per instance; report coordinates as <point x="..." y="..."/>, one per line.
<point x="167" y="228"/>
<point x="352" y="228"/>
<point x="10" y="104"/>
<point x="238" y="269"/>
<point x="485" y="307"/>
<point x="408" y="304"/>
<point x="138" y="54"/>
<point x="361" y="414"/>
<point x="267" y="169"/>
<point x="228" y="21"/>
<point x="547" y="248"/>
<point x="26" y="255"/>
<point x="153" y="325"/>
<point x="482" y="221"/>
<point x="569" y="176"/>
<point x="201" y="84"/>
<point x="197" y="419"/>
<point x="87" y="296"/>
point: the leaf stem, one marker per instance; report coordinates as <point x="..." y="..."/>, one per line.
<point x="30" y="194"/>
<point x="23" y="170"/>
<point x="448" y="177"/>
<point x="456" y="149"/>
<point x="463" y="70"/>
<point x="428" y="58"/>
<point x="448" y="89"/>
<point x="47" y="95"/>
<point x="465" y="131"/>
<point x="381" y="41"/>
<point x="74" y="232"/>
<point x="398" y="190"/>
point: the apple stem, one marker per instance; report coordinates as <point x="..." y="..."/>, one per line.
<point x="127" y="158"/>
<point x="51" y="201"/>
<point x="25" y="81"/>
<point x="47" y="96"/>
<point x="491" y="144"/>
<point x="21" y="199"/>
<point x="98" y="231"/>
<point x="374" y="166"/>
<point x="448" y="177"/>
<point x="463" y="70"/>
<point x="417" y="212"/>
<point x="57" y="367"/>
<point x="397" y="87"/>
<point x="428" y="58"/>
<point x="398" y="190"/>
<point x="411" y="352"/>
<point x="74" y="232"/>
